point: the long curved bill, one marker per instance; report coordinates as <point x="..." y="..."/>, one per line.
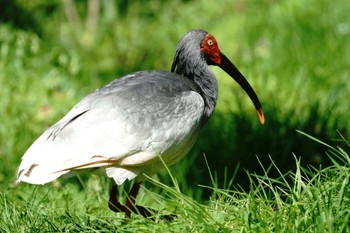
<point x="231" y="70"/>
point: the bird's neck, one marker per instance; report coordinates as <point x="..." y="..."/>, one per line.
<point x="204" y="77"/>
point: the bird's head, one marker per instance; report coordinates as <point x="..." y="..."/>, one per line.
<point x="203" y="43"/>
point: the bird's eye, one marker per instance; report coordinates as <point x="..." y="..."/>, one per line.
<point x="210" y="42"/>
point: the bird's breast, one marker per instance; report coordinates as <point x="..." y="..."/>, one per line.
<point x="171" y="132"/>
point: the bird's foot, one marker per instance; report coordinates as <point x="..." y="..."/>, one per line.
<point x="145" y="212"/>
<point x="151" y="214"/>
<point x="131" y="207"/>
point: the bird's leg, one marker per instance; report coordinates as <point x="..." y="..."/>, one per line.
<point x="132" y="207"/>
<point x="145" y="212"/>
<point x="113" y="202"/>
<point x="131" y="199"/>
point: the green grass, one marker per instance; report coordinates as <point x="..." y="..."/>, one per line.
<point x="295" y="55"/>
<point x="307" y="200"/>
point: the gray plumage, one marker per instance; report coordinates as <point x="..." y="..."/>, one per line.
<point x="122" y="128"/>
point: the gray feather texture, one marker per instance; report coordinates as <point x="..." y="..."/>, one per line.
<point x="129" y="122"/>
<point x="122" y="128"/>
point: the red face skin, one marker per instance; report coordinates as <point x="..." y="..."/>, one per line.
<point x="210" y="47"/>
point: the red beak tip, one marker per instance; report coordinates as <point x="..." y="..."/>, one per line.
<point x="261" y="116"/>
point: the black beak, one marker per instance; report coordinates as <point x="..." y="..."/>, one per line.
<point x="231" y="70"/>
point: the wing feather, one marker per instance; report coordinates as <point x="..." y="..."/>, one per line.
<point x="133" y="119"/>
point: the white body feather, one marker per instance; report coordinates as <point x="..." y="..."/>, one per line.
<point x="121" y="128"/>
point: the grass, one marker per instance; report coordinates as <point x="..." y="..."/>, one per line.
<point x="307" y="200"/>
<point x="268" y="178"/>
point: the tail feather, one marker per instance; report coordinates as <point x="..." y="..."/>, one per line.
<point x="44" y="173"/>
<point x="37" y="174"/>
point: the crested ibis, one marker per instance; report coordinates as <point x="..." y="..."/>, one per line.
<point x="124" y="127"/>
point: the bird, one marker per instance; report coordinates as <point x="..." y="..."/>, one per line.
<point x="129" y="128"/>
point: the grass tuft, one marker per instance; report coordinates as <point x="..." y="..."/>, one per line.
<point x="253" y="178"/>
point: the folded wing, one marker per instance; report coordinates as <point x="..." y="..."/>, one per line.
<point x="121" y="128"/>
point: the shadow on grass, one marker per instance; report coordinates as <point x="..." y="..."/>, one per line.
<point x="231" y="140"/>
